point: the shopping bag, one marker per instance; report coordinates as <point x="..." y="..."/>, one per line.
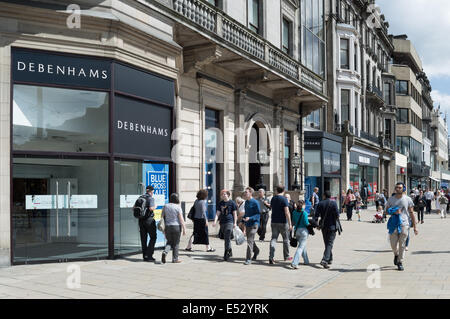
<point x="238" y="236"/>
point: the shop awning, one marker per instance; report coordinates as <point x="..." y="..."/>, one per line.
<point x="434" y="179"/>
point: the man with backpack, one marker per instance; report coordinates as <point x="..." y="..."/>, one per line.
<point x="143" y="210"/>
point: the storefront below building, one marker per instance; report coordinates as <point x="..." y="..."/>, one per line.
<point x="364" y="174"/>
<point x="84" y="147"/>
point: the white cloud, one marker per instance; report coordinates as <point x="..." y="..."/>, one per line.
<point x="427" y="24"/>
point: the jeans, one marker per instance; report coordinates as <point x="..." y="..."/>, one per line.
<point x="349" y="212"/>
<point x="398" y="243"/>
<point x="227" y="230"/>
<point x="420" y="214"/>
<point x="276" y="230"/>
<point x="407" y="239"/>
<point x="329" y="235"/>
<point x="428" y="201"/>
<point x="173" y="234"/>
<point x="263" y="226"/>
<point x="147" y="227"/>
<point x="251" y="245"/>
<point x="302" y="235"/>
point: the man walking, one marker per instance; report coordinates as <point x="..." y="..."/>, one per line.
<point x="147" y="226"/>
<point x="315" y="198"/>
<point x="328" y="213"/>
<point x="281" y="223"/>
<point x="252" y="220"/>
<point x="265" y="208"/>
<point x="401" y="208"/>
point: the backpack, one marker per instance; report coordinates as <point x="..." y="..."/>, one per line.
<point x="443" y="200"/>
<point x="140" y="207"/>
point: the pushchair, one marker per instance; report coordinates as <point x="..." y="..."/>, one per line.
<point x="378" y="218"/>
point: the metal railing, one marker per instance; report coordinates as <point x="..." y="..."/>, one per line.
<point x="232" y="32"/>
<point x="373" y="89"/>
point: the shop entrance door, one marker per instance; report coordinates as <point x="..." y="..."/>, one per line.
<point x="60" y="209"/>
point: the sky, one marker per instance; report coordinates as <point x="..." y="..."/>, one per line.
<point x="427" y="24"/>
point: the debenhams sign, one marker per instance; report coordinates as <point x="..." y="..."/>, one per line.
<point x="47" y="68"/>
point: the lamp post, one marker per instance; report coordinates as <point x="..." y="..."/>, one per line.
<point x="262" y="159"/>
<point x="296" y="163"/>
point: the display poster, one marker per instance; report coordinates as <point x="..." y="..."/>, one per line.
<point x="157" y="175"/>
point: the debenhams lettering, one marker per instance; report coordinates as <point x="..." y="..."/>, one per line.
<point x="62" y="70"/>
<point x="140" y="128"/>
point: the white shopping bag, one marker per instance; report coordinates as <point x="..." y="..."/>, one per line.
<point x="238" y="236"/>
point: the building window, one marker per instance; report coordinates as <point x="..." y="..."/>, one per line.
<point x="313" y="44"/>
<point x="402" y="116"/>
<point x="345" y="105"/>
<point x="387" y="93"/>
<point x="387" y="129"/>
<point x="355" y="56"/>
<point x="344" y="54"/>
<point x="356" y="112"/>
<point x="254" y="15"/>
<point x="401" y="87"/>
<point x="287" y="36"/>
<point x="313" y="119"/>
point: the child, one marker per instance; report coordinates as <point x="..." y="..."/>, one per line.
<point x="379" y="214"/>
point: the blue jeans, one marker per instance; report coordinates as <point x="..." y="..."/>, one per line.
<point x="407" y="239"/>
<point x="302" y="235"/>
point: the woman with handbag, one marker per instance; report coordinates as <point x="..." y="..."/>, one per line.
<point x="350" y="201"/>
<point x="174" y="226"/>
<point x="200" y="219"/>
<point x="300" y="222"/>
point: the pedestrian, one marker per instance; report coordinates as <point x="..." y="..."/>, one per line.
<point x="280" y="224"/>
<point x="436" y="201"/>
<point x="420" y="203"/>
<point x="377" y="199"/>
<point x="241" y="212"/>
<point x="252" y="220"/>
<point x="292" y="206"/>
<point x="364" y="195"/>
<point x="315" y="199"/>
<point x="174" y="226"/>
<point x="227" y="215"/>
<point x="328" y="213"/>
<point x="200" y="233"/>
<point x="443" y="203"/>
<point x="429" y="198"/>
<point x="358" y="207"/>
<point x="400" y="206"/>
<point x="300" y="222"/>
<point x="350" y="201"/>
<point x="147" y="226"/>
<point x="447" y="195"/>
<point x="343" y="196"/>
<point x="265" y="208"/>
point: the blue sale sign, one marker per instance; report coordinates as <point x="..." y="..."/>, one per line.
<point x="157" y="175"/>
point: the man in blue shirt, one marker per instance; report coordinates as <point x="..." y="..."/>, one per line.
<point x="281" y="223"/>
<point x="315" y="198"/>
<point x="252" y="220"/>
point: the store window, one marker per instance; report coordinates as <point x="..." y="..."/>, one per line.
<point x="61" y="120"/>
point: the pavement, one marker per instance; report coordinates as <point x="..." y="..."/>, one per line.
<point x="362" y="247"/>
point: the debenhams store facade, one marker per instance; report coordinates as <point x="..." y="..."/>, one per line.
<point x="84" y="124"/>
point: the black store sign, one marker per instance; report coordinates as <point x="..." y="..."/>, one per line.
<point x="46" y="68"/>
<point x="142" y="128"/>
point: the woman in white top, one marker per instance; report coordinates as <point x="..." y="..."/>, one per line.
<point x="437" y="194"/>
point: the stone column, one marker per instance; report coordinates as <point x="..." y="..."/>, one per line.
<point x="239" y="145"/>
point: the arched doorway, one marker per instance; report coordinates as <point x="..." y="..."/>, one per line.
<point x="258" y="149"/>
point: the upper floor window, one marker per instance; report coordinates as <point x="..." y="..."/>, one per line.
<point x="401" y="87"/>
<point x="403" y="116"/>
<point x="355" y="57"/>
<point x="287" y="36"/>
<point x="345" y="105"/>
<point x="214" y="2"/>
<point x="313" y="119"/>
<point x="344" y="54"/>
<point x="313" y="44"/>
<point x="254" y="15"/>
<point x="387" y="93"/>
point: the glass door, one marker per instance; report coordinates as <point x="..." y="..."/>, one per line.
<point x="60" y="209"/>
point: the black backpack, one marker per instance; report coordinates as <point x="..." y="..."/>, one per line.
<point x="140" y="207"/>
